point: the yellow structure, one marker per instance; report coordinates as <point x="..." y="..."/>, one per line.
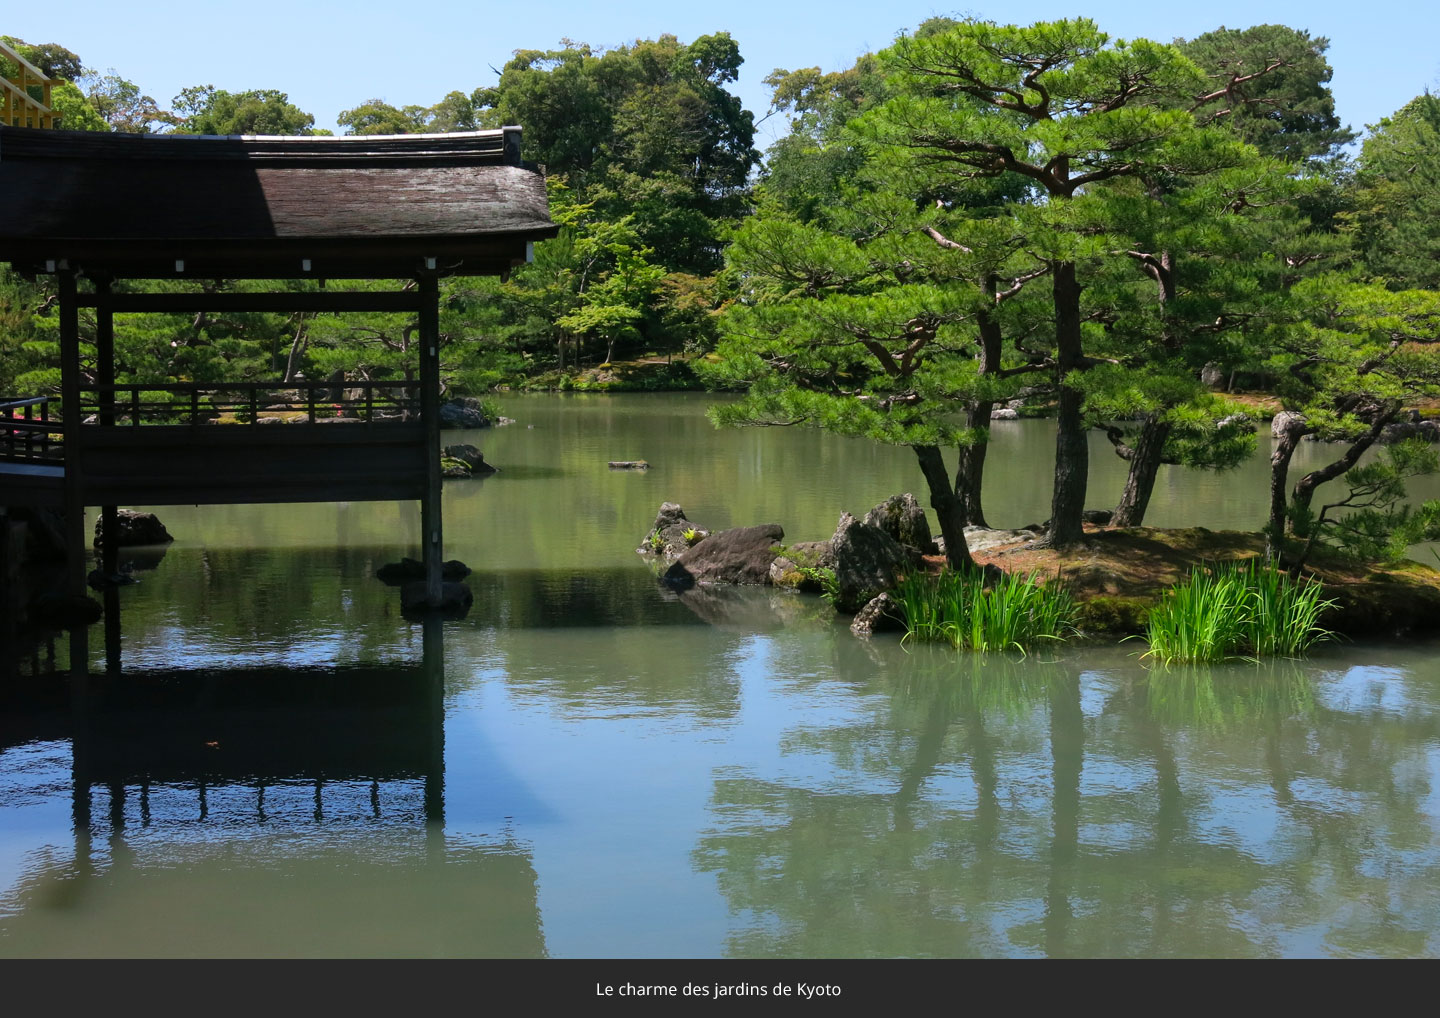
<point x="18" y="107"/>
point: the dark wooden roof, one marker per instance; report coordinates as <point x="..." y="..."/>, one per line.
<point x="136" y="205"/>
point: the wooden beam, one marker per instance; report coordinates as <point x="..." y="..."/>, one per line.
<point x="184" y="303"/>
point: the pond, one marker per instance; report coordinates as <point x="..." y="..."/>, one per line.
<point x="588" y="766"/>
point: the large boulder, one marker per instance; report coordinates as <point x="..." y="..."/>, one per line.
<point x="1404" y="430"/>
<point x="739" y="555"/>
<point x="902" y="518"/>
<point x="470" y="456"/>
<point x="671" y="535"/>
<point x="868" y="561"/>
<point x="465" y="412"/>
<point x="132" y="528"/>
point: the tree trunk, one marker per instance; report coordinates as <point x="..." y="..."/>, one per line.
<point x="1305" y="487"/>
<point x="1279" y="475"/>
<point x="297" y="347"/>
<point x="947" y="505"/>
<point x="970" y="477"/>
<point x="1072" y="451"/>
<point x="1147" y="455"/>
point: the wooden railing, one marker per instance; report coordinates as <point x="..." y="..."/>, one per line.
<point x="18" y="108"/>
<point x="250" y="403"/>
<point x="27" y="431"/>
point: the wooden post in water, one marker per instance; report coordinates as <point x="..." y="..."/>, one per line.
<point x="431" y="535"/>
<point x="105" y="377"/>
<point x="70" y="407"/>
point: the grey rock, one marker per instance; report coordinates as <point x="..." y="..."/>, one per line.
<point x="902" y="518"/>
<point x="133" y="528"/>
<point x="1429" y="431"/>
<point x="464" y="412"/>
<point x="470" y="456"/>
<point x="739" y="555"/>
<point x="868" y="562"/>
<point x="1235" y="420"/>
<point x="667" y="537"/>
<point x="1212" y="375"/>
<point x="881" y="614"/>
<point x="1004" y="413"/>
<point x="1284" y="421"/>
<point x="816" y="554"/>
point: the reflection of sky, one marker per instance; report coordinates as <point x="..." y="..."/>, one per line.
<point x="1365" y="689"/>
<point x="34" y="807"/>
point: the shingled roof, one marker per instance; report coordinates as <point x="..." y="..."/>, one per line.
<point x="268" y="207"/>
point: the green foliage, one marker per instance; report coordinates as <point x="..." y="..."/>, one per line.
<point x="1373" y="521"/>
<point x="646" y="129"/>
<point x="1236" y="608"/>
<point x="1269" y="84"/>
<point x="122" y="105"/>
<point x="204" y="109"/>
<point x="51" y="59"/>
<point x="957" y="608"/>
<point x="1395" y="197"/>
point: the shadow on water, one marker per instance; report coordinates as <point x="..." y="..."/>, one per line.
<point x="203" y="800"/>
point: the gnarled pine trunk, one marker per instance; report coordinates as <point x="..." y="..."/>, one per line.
<point x="1145" y="458"/>
<point x="970" y="477"/>
<point x="947" y="505"/>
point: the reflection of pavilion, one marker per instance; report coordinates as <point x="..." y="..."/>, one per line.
<point x="210" y="805"/>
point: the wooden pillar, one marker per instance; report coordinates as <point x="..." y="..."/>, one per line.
<point x="431" y="524"/>
<point x="70" y="408"/>
<point x="105" y="375"/>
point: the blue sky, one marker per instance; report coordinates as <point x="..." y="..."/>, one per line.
<point x="330" y="57"/>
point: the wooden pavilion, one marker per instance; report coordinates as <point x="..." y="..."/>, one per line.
<point x="93" y="208"/>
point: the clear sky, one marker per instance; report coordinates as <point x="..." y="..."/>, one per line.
<point x="332" y="56"/>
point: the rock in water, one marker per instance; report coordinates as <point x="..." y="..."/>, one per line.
<point x="133" y="528"/>
<point x="902" y="518"/>
<point x="464" y="412"/>
<point x="455" y="599"/>
<point x="470" y="456"/>
<point x="740" y="555"/>
<point x="868" y="562"/>
<point x="668" y="538"/>
<point x="881" y="614"/>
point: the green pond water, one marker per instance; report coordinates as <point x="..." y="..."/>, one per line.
<point x="589" y="766"/>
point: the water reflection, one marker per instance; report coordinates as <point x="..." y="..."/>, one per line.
<point x="260" y="811"/>
<point x="1008" y="808"/>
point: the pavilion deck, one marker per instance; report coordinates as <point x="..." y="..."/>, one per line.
<point x="198" y="444"/>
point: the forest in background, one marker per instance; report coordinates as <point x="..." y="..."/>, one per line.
<point x="980" y="219"/>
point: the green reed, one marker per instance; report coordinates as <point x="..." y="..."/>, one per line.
<point x="958" y="609"/>
<point x="1235" y="609"/>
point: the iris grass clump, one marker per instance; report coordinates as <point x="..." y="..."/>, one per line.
<point x="1236" y="609"/>
<point x="958" y="609"/>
